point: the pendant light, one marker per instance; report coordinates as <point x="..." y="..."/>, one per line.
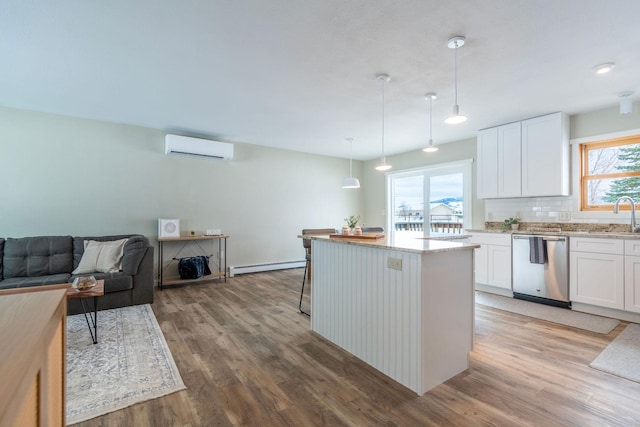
<point x="350" y="182"/>
<point x="383" y="166"/>
<point x="430" y="148"/>
<point x="457" y="118"/>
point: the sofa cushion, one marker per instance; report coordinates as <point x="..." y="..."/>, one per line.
<point x="25" y="282"/>
<point x="104" y="257"/>
<point x="113" y="282"/>
<point x="134" y="250"/>
<point x="37" y="256"/>
<point x="1" y="256"/>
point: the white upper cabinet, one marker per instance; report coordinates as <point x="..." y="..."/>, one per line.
<point x="487" y="148"/>
<point x="524" y="159"/>
<point x="499" y="168"/>
<point x="509" y="160"/>
<point x="545" y="156"/>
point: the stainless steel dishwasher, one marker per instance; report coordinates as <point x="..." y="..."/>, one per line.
<point x="546" y="282"/>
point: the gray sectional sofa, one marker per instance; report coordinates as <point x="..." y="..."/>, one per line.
<point x="48" y="260"/>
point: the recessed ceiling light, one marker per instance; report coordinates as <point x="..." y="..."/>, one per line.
<point x="604" y="68"/>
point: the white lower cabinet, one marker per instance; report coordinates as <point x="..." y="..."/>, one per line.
<point x="632" y="275"/>
<point x="481" y="256"/>
<point x="597" y="272"/>
<point x="493" y="259"/>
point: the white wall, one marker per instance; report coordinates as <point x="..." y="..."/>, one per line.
<point x="63" y="175"/>
<point x="375" y="190"/>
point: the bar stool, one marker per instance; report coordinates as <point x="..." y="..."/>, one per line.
<point x="306" y="243"/>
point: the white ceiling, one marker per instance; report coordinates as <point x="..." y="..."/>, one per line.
<point x="301" y="74"/>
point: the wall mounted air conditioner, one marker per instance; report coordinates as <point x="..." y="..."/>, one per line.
<point x="175" y="144"/>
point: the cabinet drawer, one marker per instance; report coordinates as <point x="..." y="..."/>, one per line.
<point x="601" y="246"/>
<point x="632" y="247"/>
<point x="501" y="239"/>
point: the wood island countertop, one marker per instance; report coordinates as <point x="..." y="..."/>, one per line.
<point x="419" y="245"/>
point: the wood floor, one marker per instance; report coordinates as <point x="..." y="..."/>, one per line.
<point x="248" y="358"/>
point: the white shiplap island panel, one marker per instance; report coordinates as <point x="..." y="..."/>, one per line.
<point x="415" y="324"/>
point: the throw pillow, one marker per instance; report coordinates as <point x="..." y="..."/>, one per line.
<point x="103" y="257"/>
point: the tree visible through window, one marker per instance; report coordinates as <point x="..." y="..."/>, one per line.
<point x="610" y="169"/>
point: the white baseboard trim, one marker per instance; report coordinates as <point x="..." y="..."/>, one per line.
<point x="255" y="268"/>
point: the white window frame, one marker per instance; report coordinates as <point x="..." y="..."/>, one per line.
<point x="575" y="177"/>
<point x="460" y="166"/>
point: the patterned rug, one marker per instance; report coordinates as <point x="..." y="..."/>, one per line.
<point x="130" y="364"/>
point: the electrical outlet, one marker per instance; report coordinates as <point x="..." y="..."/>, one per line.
<point x="394" y="263"/>
<point x="564" y="216"/>
<point x="489" y="216"/>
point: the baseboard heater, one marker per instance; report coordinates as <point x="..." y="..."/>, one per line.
<point x="255" y="268"/>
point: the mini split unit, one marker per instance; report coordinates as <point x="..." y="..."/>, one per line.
<point x="175" y="144"/>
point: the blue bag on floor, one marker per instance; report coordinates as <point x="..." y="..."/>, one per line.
<point x="193" y="267"/>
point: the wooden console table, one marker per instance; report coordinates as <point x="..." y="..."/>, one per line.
<point x="218" y="272"/>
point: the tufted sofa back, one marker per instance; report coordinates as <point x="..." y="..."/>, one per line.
<point x="36" y="256"/>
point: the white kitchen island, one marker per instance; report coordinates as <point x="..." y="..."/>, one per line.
<point x="407" y="310"/>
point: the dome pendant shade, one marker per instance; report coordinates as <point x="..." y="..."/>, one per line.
<point x="430" y="148"/>
<point x="383" y="166"/>
<point x="350" y="182"/>
<point x="456" y="117"/>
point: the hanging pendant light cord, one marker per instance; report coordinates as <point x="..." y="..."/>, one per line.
<point x="382" y="158"/>
<point x="455" y="72"/>
<point x="351" y="159"/>
<point x="430" y="120"/>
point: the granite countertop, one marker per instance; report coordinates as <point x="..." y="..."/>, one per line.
<point x="555" y="231"/>
<point x="421" y="246"/>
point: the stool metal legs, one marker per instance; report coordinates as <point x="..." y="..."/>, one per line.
<point x="302" y="291"/>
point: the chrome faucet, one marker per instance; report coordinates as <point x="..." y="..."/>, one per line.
<point x="634" y="228"/>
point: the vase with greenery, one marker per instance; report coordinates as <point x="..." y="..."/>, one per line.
<point x="511" y="223"/>
<point x="352" y="221"/>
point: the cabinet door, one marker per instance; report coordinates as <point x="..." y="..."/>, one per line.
<point x="632" y="283"/>
<point x="480" y="263"/>
<point x="499" y="266"/>
<point x="545" y="156"/>
<point x="597" y="279"/>
<point x="509" y="160"/>
<point x="487" y="168"/>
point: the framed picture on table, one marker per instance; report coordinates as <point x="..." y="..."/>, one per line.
<point x="168" y="227"/>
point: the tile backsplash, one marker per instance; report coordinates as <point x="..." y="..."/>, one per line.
<point x="546" y="210"/>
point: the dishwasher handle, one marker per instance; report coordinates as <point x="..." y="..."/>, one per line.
<point x="547" y="238"/>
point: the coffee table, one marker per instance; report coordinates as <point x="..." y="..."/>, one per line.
<point x="91" y="318"/>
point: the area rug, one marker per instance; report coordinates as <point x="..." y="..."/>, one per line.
<point x="622" y="355"/>
<point x="130" y="364"/>
<point x="563" y="316"/>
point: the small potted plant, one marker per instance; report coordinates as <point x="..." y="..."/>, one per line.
<point x="512" y="223"/>
<point x="352" y="221"/>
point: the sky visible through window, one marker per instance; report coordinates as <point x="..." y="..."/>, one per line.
<point x="409" y="190"/>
